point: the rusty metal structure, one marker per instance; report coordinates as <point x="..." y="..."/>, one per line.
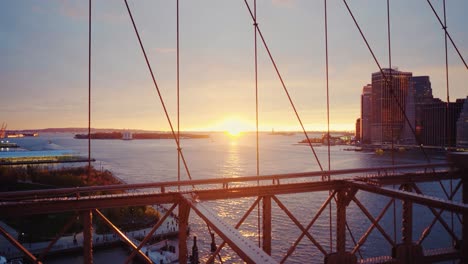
<point x="398" y="183"/>
<point x="190" y="197"/>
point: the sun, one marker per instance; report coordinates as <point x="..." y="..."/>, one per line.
<point x="234" y="132"/>
<point x="233" y="126"/>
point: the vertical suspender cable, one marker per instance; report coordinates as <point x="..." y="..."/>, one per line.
<point x="390" y="79"/>
<point x="256" y="114"/>
<point x="328" y="119"/>
<point x="89" y="92"/>
<point x="447" y="130"/>
<point x="178" y="98"/>
<point x="391" y="116"/>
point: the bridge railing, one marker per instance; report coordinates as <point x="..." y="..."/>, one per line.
<point x="189" y="185"/>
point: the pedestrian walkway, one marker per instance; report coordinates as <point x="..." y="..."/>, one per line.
<point x="75" y="242"/>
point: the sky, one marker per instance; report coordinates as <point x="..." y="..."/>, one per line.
<point x="44" y="61"/>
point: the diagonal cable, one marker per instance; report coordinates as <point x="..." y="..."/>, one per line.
<point x="158" y="91"/>
<point x="447" y="33"/>
<point x="387" y="81"/>
<point x="283" y="84"/>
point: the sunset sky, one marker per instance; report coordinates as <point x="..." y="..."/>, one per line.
<point x="44" y="61"/>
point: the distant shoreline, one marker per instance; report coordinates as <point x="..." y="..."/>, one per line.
<point x="121" y="130"/>
<point x="134" y="136"/>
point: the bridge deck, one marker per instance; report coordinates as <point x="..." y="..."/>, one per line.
<point x="243" y="246"/>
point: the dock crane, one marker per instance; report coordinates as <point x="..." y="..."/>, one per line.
<point x="3" y="130"/>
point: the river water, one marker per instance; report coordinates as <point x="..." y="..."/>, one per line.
<point x="221" y="155"/>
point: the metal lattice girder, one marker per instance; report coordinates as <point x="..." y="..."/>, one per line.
<point x="413" y="197"/>
<point x="245" y="248"/>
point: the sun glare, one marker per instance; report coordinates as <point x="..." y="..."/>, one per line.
<point x="233" y="126"/>
<point x="234" y="132"/>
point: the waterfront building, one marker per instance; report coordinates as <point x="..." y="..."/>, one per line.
<point x="439" y="122"/>
<point x="357" y="135"/>
<point x="422" y="89"/>
<point x="462" y="127"/>
<point x="422" y="96"/>
<point x="366" y="114"/>
<point x="389" y="94"/>
<point x="408" y="136"/>
<point x="127" y="135"/>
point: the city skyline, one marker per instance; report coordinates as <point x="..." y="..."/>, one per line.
<point x="44" y="71"/>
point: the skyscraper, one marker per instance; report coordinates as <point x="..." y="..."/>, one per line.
<point x="357" y="135"/>
<point x="422" y="96"/>
<point x="366" y="113"/>
<point x="439" y="122"/>
<point x="422" y="89"/>
<point x="462" y="127"/>
<point x="389" y="95"/>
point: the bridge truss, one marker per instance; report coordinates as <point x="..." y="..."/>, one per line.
<point x="192" y="196"/>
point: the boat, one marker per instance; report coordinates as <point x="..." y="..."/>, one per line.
<point x="7" y="144"/>
<point x="19" y="135"/>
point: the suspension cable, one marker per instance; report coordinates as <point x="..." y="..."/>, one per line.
<point x="391" y="74"/>
<point x="89" y="92"/>
<point x="386" y="80"/>
<point x="447" y="130"/>
<point x="158" y="91"/>
<point x="391" y="116"/>
<point x="283" y="84"/>
<point x="256" y="115"/>
<point x="443" y="25"/>
<point x="178" y="96"/>
<point x="328" y="94"/>
<point x="328" y="120"/>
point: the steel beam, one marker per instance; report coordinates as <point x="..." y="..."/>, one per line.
<point x="266" y="224"/>
<point x="341" y="222"/>
<point x="79" y="191"/>
<point x="212" y="257"/>
<point x="413" y="197"/>
<point x="407" y="218"/>
<point x="184" y="212"/>
<point x="464" y="242"/>
<point x="298" y="224"/>
<point x="246" y="249"/>
<point x="150" y="234"/>
<point x="17" y="245"/>
<point x="64" y="204"/>
<point x="64" y="229"/>
<point x="87" y="218"/>
<point x="322" y="208"/>
<point x="122" y="236"/>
